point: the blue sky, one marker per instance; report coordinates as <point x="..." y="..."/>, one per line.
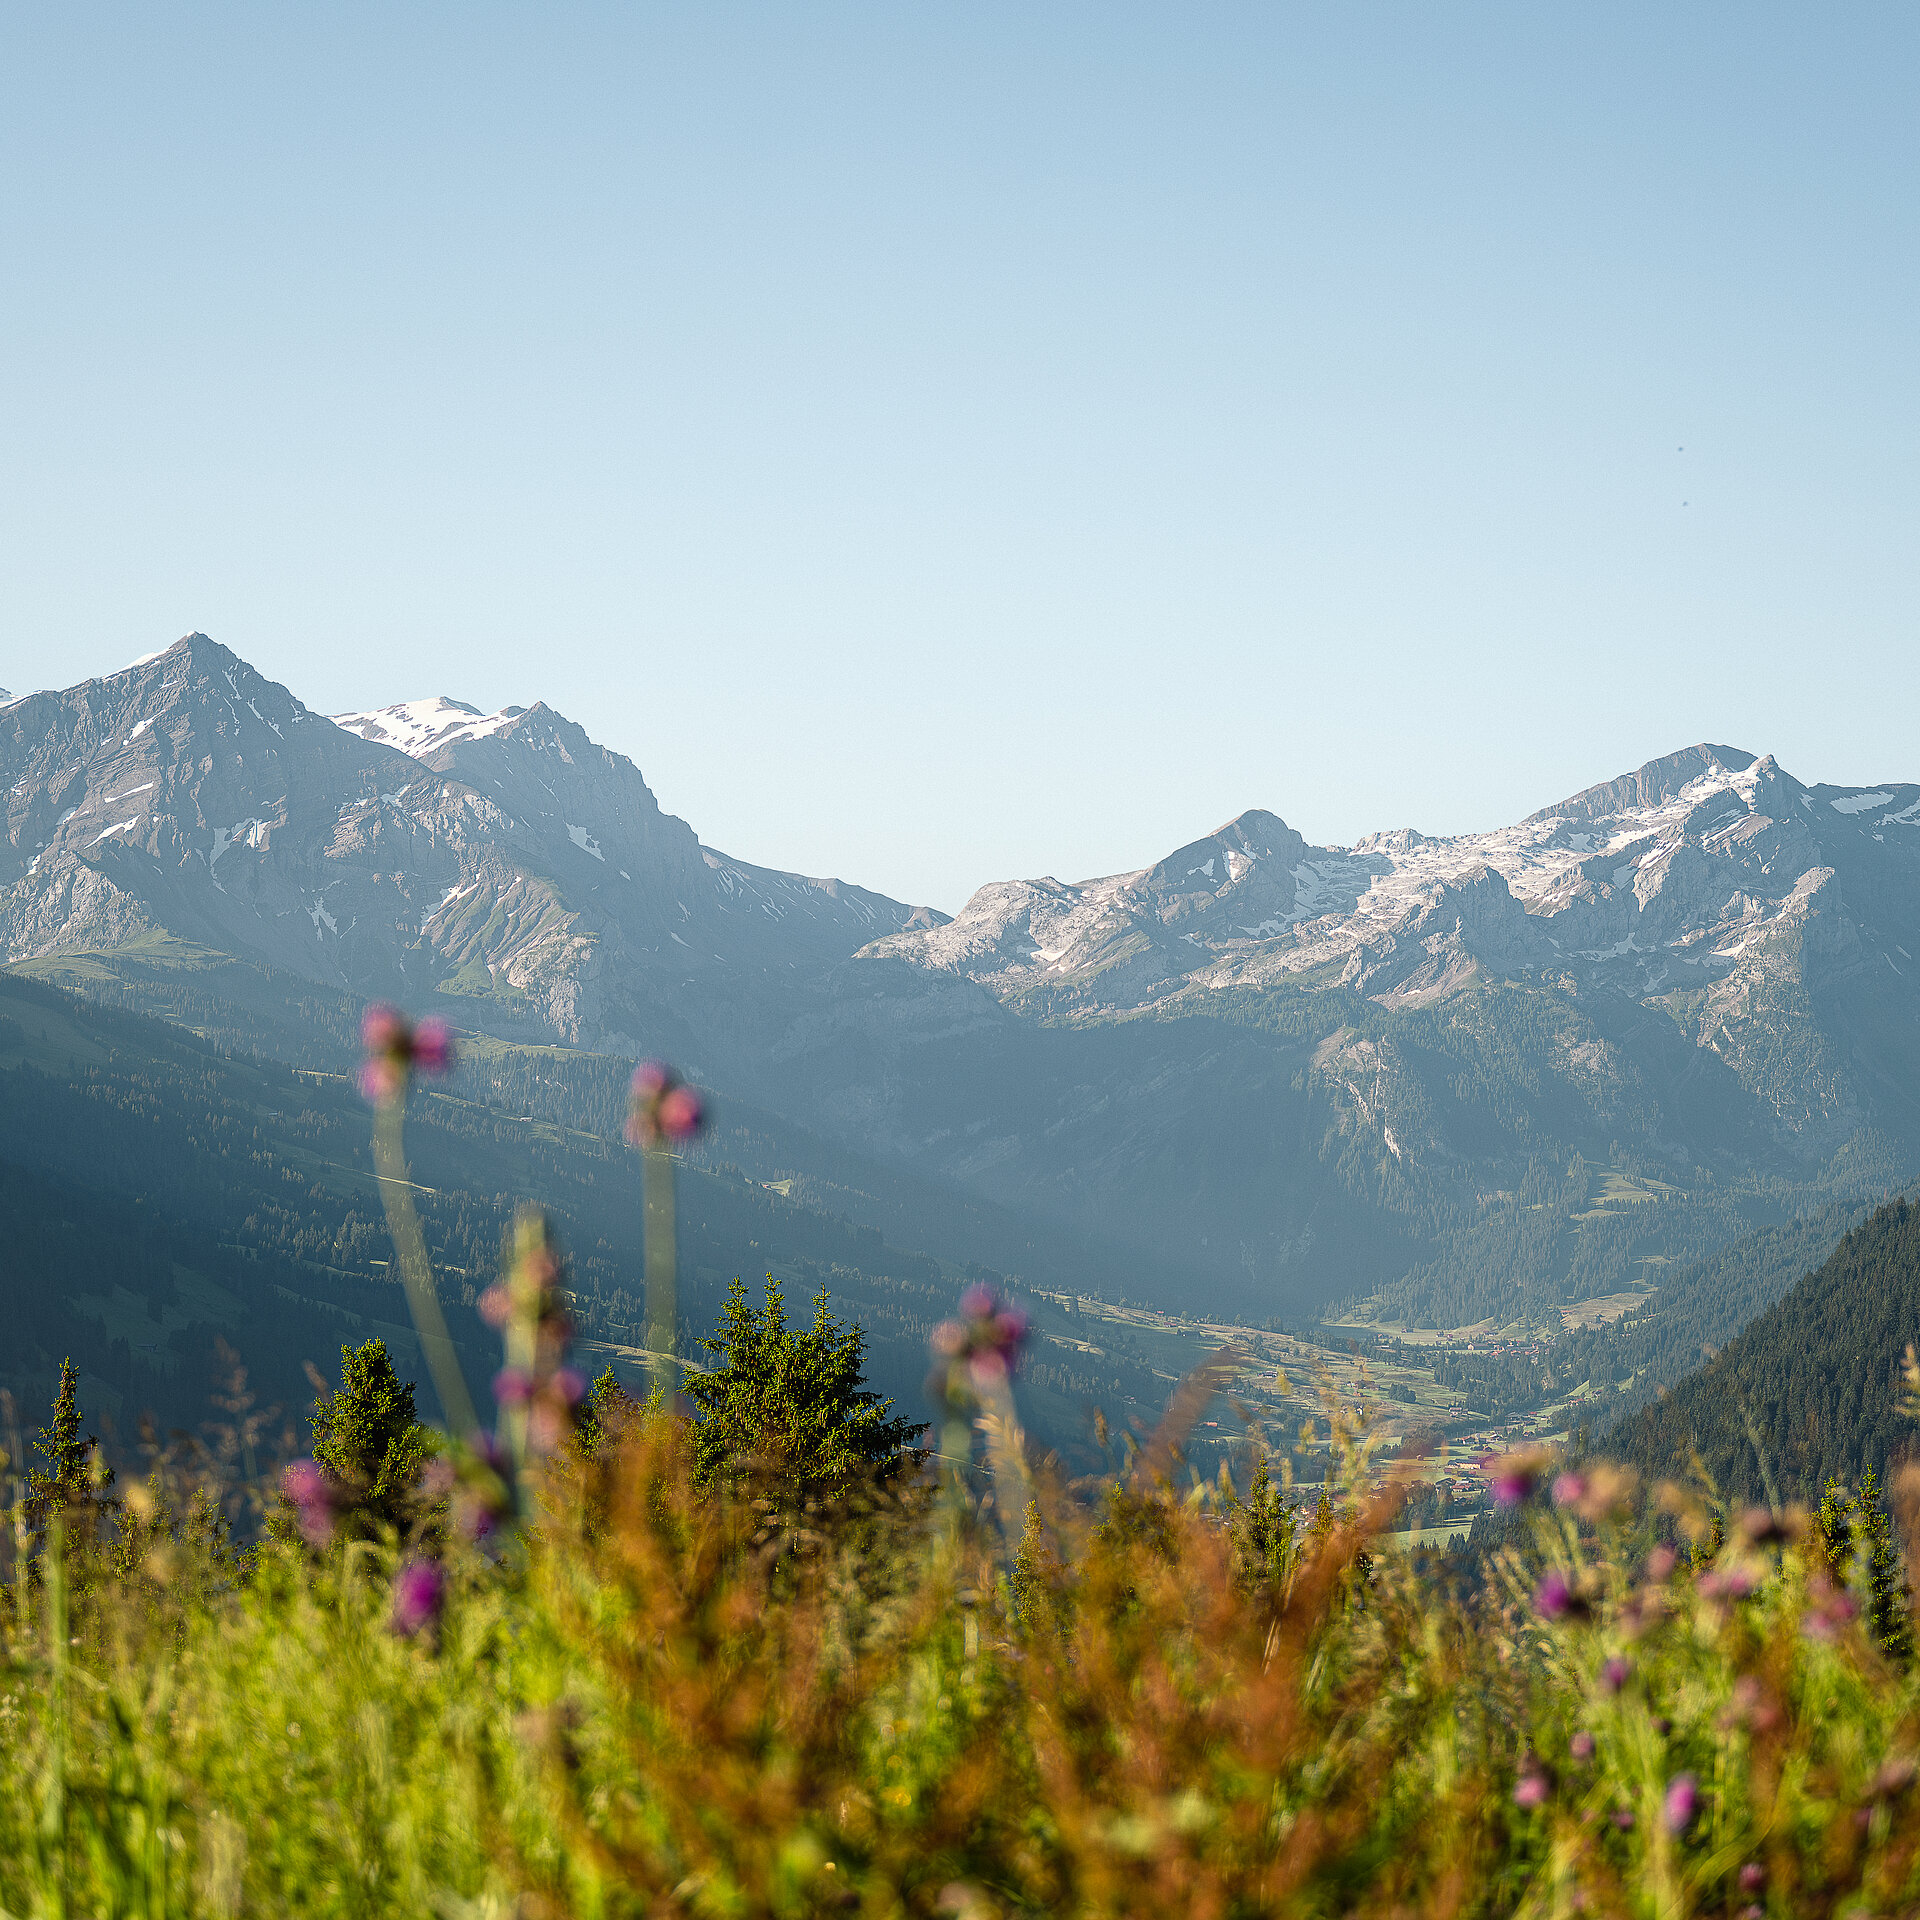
<point x="945" y="443"/>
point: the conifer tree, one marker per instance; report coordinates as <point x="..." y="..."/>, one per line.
<point x="1322" y="1517"/>
<point x="1706" y="1552"/>
<point x="366" y="1435"/>
<point x="606" y="1406"/>
<point x="1038" y="1578"/>
<point x="1833" y="1532"/>
<point x="790" y="1402"/>
<point x="73" y="1482"/>
<point x="1889" y="1607"/>
<point x="1263" y="1530"/>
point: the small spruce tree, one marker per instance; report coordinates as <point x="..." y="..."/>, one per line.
<point x="790" y="1403"/>
<point x="1833" y="1533"/>
<point x="1263" y="1531"/>
<point x="366" y="1435"/>
<point x="608" y="1404"/>
<point x="74" y="1481"/>
<point x="1889" y="1607"/>
<point x="1038" y="1581"/>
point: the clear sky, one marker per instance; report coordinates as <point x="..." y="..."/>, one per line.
<point x="948" y="442"/>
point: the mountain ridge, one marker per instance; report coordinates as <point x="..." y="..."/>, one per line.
<point x="248" y="822"/>
<point x="1295" y="1074"/>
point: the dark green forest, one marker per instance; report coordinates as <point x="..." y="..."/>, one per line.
<point x="1810" y="1389"/>
<point x="167" y="1210"/>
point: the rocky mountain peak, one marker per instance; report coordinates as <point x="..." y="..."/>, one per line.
<point x="504" y="863"/>
<point x="1652" y="785"/>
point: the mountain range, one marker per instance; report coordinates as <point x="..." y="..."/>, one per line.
<point x="1428" y="1080"/>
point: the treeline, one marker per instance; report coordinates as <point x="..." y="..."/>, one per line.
<point x="1811" y="1389"/>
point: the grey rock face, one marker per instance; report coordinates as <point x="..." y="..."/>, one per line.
<point x="1708" y="882"/>
<point x="503" y="861"/>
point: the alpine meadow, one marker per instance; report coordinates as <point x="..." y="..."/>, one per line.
<point x="1314" y="1366"/>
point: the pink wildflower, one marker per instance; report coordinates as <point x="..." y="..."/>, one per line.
<point x="419" y="1588"/>
<point x="661" y="1107"/>
<point x="1682" y="1802"/>
<point x="1558" y="1597"/>
<point x="307" y="1484"/>
<point x="394" y="1050"/>
<point x="1511" y="1477"/>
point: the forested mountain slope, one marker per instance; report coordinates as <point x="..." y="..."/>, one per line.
<point x="158" y="1199"/>
<point x="1811" y="1388"/>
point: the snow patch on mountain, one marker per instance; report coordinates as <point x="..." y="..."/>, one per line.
<point x="1668" y="876"/>
<point x="421" y="727"/>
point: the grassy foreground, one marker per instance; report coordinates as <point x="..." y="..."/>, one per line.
<point x="662" y="1699"/>
<point x="619" y="1660"/>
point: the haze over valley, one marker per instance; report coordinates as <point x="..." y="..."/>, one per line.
<point x="1517" y="1079"/>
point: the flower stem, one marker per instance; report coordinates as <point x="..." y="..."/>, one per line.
<point x="661" y="1256"/>
<point x="416" y="1270"/>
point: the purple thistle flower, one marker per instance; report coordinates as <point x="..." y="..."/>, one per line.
<point x="1753" y="1876"/>
<point x="511" y="1387"/>
<point x="1569" y="1489"/>
<point x="1511" y="1477"/>
<point x="313" y="1494"/>
<point x="305" y="1484"/>
<point x="988" y="1369"/>
<point x="1531" y="1790"/>
<point x="1827" y="1617"/>
<point x="383" y="1029"/>
<point x="661" y="1106"/>
<point x="433" y="1046"/>
<point x="1558" y="1596"/>
<point x="1581" y="1745"/>
<point x="980" y="1349"/>
<point x="1728" y="1583"/>
<point x="1682" y="1802"/>
<point x="419" y="1589"/>
<point x="1615" y="1674"/>
<point x="394" y="1050"/>
<point x="1623" y="1819"/>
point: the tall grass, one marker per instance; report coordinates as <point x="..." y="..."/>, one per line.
<point x="660" y="1701"/>
<point x="976" y="1690"/>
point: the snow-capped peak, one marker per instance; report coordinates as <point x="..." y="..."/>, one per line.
<point x="421" y="727"/>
